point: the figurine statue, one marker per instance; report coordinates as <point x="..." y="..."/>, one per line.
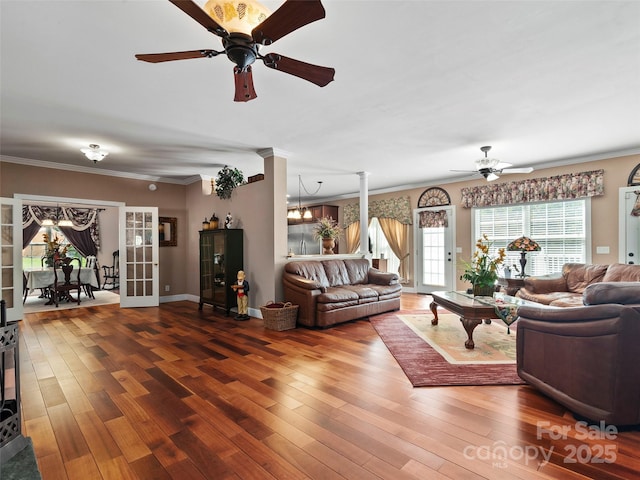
<point x="242" y="291"/>
<point x="228" y="220"/>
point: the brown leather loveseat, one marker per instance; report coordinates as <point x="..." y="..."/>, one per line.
<point x="586" y="358"/>
<point x="566" y="289"/>
<point x="338" y="290"/>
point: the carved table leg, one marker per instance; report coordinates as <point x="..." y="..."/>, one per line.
<point x="469" y="325"/>
<point x="434" y="310"/>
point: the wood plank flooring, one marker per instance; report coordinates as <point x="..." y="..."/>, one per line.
<point x="174" y="393"/>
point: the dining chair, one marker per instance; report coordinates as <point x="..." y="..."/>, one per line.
<point x="111" y="274"/>
<point x="25" y="287"/>
<point x="91" y="263"/>
<point x="66" y="280"/>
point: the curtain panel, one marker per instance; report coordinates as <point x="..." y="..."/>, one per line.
<point x="82" y="219"/>
<point x="559" y="187"/>
<point x="433" y="219"/>
<point x="635" y="211"/>
<point x="397" y="208"/>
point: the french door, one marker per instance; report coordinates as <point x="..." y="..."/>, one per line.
<point x="11" y="284"/>
<point x="629" y="250"/>
<point x="435" y="254"/>
<point x="138" y="256"/>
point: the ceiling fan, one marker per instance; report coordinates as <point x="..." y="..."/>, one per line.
<point x="490" y="168"/>
<point x="244" y="26"/>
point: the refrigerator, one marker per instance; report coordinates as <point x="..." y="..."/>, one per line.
<point x="301" y="242"/>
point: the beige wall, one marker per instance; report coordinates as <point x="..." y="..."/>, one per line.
<point x="604" y="209"/>
<point x="260" y="209"/>
<point x="169" y="198"/>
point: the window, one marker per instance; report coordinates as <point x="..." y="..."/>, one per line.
<point x="560" y="228"/>
<point x="380" y="246"/>
<point x="33" y="253"/>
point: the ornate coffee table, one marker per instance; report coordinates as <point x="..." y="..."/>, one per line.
<point x="471" y="310"/>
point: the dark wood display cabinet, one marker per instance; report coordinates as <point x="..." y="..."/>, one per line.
<point x="221" y="256"/>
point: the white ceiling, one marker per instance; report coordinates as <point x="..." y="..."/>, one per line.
<point x="420" y="86"/>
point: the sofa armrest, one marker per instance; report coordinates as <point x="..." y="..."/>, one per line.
<point x="302" y="282"/>
<point x="382" y="278"/>
<point x="624" y="293"/>
<point x="546" y="284"/>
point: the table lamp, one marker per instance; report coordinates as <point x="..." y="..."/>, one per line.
<point x="523" y="245"/>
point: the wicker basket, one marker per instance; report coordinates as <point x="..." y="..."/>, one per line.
<point x="279" y="316"/>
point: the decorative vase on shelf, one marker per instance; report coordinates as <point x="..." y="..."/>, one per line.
<point x="327" y="246"/>
<point x="483" y="290"/>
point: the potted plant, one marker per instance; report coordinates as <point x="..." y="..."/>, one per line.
<point x="327" y="230"/>
<point x="482" y="272"/>
<point x="227" y="180"/>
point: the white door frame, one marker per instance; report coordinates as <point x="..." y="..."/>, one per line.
<point x="11" y="292"/>
<point x="449" y="253"/>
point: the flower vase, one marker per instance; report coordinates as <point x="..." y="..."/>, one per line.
<point x="327" y="246"/>
<point x="483" y="290"/>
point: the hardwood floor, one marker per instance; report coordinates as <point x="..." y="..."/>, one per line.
<point x="171" y="392"/>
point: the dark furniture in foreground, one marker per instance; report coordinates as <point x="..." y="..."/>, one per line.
<point x="586" y="358"/>
<point x="338" y="290"/>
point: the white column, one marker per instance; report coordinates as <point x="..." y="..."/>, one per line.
<point x="364" y="212"/>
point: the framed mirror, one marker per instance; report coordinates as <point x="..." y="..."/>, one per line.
<point x="168" y="231"/>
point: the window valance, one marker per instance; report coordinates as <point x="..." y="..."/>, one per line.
<point x="433" y="219"/>
<point x="559" y="187"/>
<point x="82" y="218"/>
<point x="397" y="208"/>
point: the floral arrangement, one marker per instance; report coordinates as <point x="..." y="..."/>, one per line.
<point x="326" y="227"/>
<point x="53" y="247"/>
<point x="483" y="269"/>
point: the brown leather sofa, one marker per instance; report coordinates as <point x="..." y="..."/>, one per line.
<point x="338" y="290"/>
<point x="566" y="289"/>
<point x="586" y="358"/>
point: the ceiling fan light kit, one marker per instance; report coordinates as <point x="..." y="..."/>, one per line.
<point x="244" y="26"/>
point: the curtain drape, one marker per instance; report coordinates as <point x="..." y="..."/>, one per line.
<point x="29" y="232"/>
<point x="397" y="234"/>
<point x="559" y="187"/>
<point x="352" y="237"/>
<point x="84" y="235"/>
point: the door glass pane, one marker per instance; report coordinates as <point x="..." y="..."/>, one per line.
<point x="433" y="256"/>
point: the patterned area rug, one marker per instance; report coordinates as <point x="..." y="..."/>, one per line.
<point x="103" y="297"/>
<point x="492" y="342"/>
<point x="424" y="366"/>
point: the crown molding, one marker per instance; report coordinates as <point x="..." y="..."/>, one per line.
<point x="93" y="171"/>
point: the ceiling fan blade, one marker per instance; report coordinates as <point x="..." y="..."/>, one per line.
<point x="321" y="76"/>
<point x="491" y="177"/>
<point x="168" y="57"/>
<point x="291" y="15"/>
<point x="244" y="84"/>
<point x="501" y="165"/>
<point x="518" y="170"/>
<point x="200" y="16"/>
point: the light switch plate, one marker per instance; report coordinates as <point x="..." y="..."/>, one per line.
<point x="602" y="250"/>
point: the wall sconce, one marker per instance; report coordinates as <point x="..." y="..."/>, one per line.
<point x="94" y="152"/>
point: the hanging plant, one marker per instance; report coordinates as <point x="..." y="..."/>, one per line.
<point x="227" y="180"/>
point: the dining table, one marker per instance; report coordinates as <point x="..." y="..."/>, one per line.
<point x="44" y="277"/>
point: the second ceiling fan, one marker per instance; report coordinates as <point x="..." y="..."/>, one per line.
<point x="492" y="168"/>
<point x="244" y="26"/>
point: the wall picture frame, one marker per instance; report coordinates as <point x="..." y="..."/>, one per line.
<point x="634" y="177"/>
<point x="167" y="231"/>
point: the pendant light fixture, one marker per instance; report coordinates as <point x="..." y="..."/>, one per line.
<point x="298" y="213"/>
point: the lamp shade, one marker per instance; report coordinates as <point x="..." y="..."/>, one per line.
<point x="523" y="244"/>
<point x="237" y="16"/>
